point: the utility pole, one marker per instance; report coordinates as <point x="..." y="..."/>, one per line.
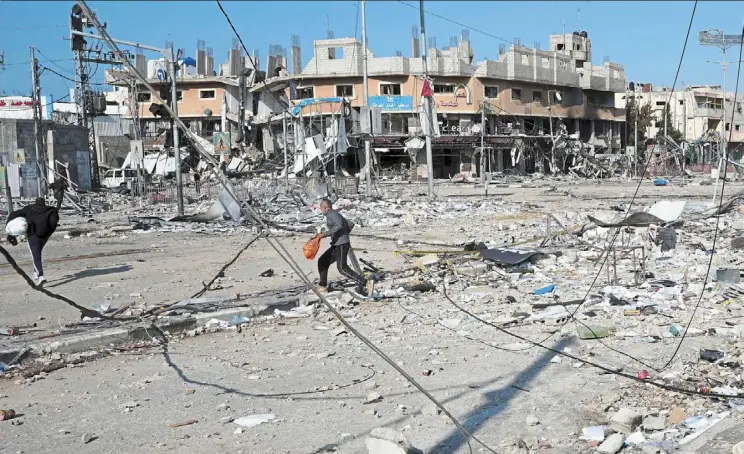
<point x="482" y="142"/>
<point x="284" y="138"/>
<point x="36" y="106"/>
<point x="635" y="142"/>
<point x="176" y="148"/>
<point x="427" y="107"/>
<point x="367" y="153"/>
<point x="722" y="41"/>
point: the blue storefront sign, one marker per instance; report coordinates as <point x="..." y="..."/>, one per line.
<point x="392" y="103"/>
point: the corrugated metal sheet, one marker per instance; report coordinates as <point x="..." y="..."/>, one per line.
<point x="112" y="126"/>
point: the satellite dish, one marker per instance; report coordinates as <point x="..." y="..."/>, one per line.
<point x="558" y="96"/>
<point x="208" y="112"/>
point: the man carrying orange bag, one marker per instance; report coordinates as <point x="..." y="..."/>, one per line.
<point x="338" y="231"/>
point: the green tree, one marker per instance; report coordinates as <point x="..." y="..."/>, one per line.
<point x="644" y="115"/>
<point x="672" y="132"/>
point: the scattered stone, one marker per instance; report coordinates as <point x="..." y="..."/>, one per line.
<point x="226" y="420"/>
<point x="676" y="415"/>
<point x="130" y="404"/>
<point x="373" y="397"/>
<point x="87" y="438"/>
<point x="532" y="420"/>
<point x="431" y="410"/>
<point x="238" y="431"/>
<point x="612" y="445"/>
<point x="625" y="421"/>
<point x="654" y="423"/>
<point x="388" y="441"/>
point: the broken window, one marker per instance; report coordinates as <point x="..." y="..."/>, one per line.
<point x="144" y="97"/>
<point x="660" y="103"/>
<point x="578" y="47"/>
<point x="728" y="126"/>
<point x="492" y="92"/>
<point x="345" y="91"/>
<point x="444" y="88"/>
<point x="560" y="46"/>
<point x="206" y="94"/>
<point x="681" y="102"/>
<point x="335" y="53"/>
<point x="516" y="93"/>
<point x="179" y="96"/>
<point x="390" y="89"/>
<point x="736" y="127"/>
<point x="536" y="96"/>
<point x="305" y="93"/>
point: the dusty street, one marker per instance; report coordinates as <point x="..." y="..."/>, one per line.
<point x="316" y="378"/>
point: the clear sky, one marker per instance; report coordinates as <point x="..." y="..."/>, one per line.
<point x="645" y="37"/>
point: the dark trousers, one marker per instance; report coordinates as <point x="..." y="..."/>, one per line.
<point x="36" y="245"/>
<point x="197" y="183"/>
<point x="59" y="196"/>
<point x="338" y="254"/>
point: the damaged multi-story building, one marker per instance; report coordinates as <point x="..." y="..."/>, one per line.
<point x="529" y="105"/>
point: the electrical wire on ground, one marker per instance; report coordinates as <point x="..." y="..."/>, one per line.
<point x="720" y="204"/>
<point x="588" y="363"/>
<point x="207" y="286"/>
<point x="572" y="315"/>
<point x="84" y="312"/>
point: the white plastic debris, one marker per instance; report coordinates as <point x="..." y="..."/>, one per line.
<point x="254" y="420"/>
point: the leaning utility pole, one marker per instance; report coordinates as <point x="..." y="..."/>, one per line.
<point x="176" y="148"/>
<point x="38" y="132"/>
<point x="483" y="152"/>
<point x="427" y="107"/>
<point x="367" y="153"/>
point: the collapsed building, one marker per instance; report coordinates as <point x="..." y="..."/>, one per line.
<point x="530" y="110"/>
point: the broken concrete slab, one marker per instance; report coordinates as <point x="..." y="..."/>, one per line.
<point x="625" y="420"/>
<point x="383" y="440"/>
<point x="612" y="445"/>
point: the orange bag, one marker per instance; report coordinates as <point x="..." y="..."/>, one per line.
<point x="311" y="247"/>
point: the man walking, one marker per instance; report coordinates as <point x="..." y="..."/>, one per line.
<point x="338" y="231"/>
<point x="42" y="222"/>
<point x="58" y="187"/>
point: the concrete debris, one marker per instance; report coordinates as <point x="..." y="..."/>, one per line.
<point x="625" y="420"/>
<point x="384" y="440"/>
<point x="373" y="397"/>
<point x="612" y="445"/>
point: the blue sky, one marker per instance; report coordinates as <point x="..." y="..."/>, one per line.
<point x="646" y="37"/>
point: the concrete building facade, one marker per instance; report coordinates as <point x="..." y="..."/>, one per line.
<point x="524" y="92"/>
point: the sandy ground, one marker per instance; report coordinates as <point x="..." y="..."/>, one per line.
<point x="314" y="381"/>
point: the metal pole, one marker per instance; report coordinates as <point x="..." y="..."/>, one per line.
<point x="176" y="148"/>
<point x="367" y="152"/>
<point x="635" y="142"/>
<point x="284" y="132"/>
<point x="37" y="129"/>
<point x="552" y="139"/>
<point x="427" y="107"/>
<point x="723" y="137"/>
<point x="483" y="151"/>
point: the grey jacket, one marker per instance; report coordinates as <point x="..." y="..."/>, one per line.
<point x="338" y="228"/>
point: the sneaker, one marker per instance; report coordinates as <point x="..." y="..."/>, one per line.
<point x="36" y="276"/>
<point x="322" y="289"/>
<point x="40" y="281"/>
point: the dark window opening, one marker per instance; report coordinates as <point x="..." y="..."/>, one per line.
<point x="536" y="96"/>
<point x="390" y="89"/>
<point x="305" y="93"/>
<point x="492" y="92"/>
<point x="444" y="88"/>
<point x="345" y="90"/>
<point x="516" y="93"/>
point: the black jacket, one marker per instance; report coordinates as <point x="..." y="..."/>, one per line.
<point x="42" y="220"/>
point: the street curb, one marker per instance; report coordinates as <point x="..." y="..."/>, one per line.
<point x="111" y="337"/>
